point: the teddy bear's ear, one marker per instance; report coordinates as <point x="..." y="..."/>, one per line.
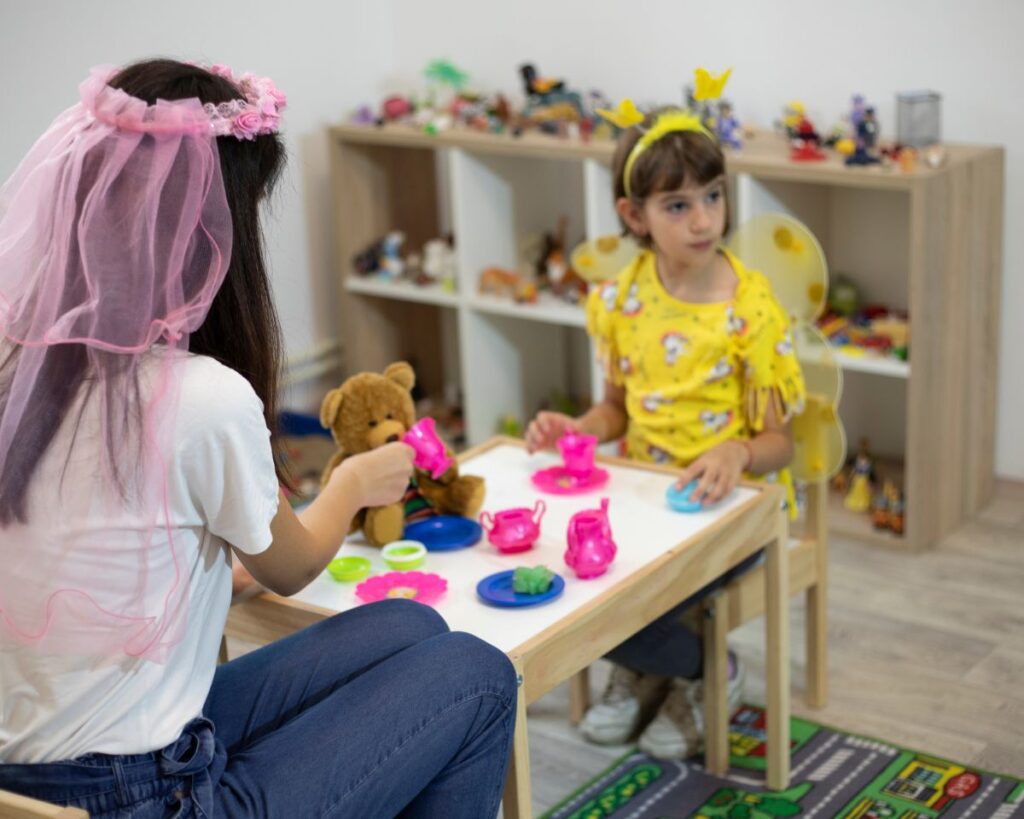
<point x="330" y="408"/>
<point x="402" y="374"/>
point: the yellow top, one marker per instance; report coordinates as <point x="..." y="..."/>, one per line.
<point x="695" y="375"/>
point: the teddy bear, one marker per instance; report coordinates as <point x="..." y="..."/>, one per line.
<point x="372" y="409"/>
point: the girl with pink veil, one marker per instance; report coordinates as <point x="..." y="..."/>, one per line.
<point x="139" y="359"/>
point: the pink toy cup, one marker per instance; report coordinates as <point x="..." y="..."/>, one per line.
<point x="431" y="454"/>
<point x="578" y="453"/>
<point x="514" y="530"/>
<point x="591" y="548"/>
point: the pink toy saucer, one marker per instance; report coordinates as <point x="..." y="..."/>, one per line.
<point x="557" y="480"/>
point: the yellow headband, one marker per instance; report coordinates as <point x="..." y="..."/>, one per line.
<point x="671" y="121"/>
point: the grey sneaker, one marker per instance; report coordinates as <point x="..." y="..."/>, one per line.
<point x="677" y="732"/>
<point x="628" y="699"/>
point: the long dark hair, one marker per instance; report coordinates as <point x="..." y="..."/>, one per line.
<point x="241" y="329"/>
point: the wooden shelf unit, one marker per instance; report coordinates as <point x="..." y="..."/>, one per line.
<point x="929" y="241"/>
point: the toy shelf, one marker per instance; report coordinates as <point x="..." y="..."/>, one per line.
<point x="401" y="290"/>
<point x="929" y="242"/>
<point x="875" y="364"/>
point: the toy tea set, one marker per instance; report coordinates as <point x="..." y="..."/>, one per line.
<point x="590" y="548"/>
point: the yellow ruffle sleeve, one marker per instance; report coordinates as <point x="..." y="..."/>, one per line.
<point x="771" y="371"/>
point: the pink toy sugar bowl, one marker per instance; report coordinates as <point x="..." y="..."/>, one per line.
<point x="514" y="530"/>
<point x="591" y="547"/>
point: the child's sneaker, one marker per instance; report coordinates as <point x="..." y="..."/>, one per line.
<point x="678" y="730"/>
<point x="629" y="697"/>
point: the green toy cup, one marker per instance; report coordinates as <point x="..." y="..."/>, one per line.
<point x="349" y="569"/>
<point x="403" y="555"/>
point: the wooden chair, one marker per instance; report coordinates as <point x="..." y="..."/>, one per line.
<point x="14" y="806"/>
<point x="743" y="599"/>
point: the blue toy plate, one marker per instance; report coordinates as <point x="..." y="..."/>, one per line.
<point x="443" y="533"/>
<point x="679" y="499"/>
<point x="496" y="589"/>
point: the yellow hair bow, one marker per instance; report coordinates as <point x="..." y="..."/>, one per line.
<point x="625" y="116"/>
<point x="708" y="87"/>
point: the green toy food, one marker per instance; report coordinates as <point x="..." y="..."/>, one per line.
<point x="532" y="581"/>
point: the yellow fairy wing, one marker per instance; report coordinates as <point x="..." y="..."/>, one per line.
<point x="789" y="255"/>
<point x="601" y="259"/>
<point x="625" y="116"/>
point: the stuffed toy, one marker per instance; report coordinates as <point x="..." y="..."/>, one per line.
<point x="370" y="410"/>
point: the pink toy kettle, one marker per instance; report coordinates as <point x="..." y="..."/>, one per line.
<point x="591" y="548"/>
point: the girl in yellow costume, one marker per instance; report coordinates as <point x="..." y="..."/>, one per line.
<point x="700" y="373"/>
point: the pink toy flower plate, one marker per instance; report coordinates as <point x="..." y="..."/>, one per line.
<point x="422" y="587"/>
<point x="557" y="480"/>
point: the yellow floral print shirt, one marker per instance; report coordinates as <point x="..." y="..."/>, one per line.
<point x="695" y="375"/>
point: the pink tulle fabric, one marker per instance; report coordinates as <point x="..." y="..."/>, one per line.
<point x="115" y="234"/>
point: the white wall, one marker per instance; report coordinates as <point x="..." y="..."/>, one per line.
<point x="326" y="56"/>
<point x="330" y="56"/>
<point x="815" y="51"/>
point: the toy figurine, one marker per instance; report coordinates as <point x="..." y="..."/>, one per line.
<point x="880" y="511"/>
<point x="391" y="264"/>
<point x="548" y="101"/>
<point x="858" y="499"/>
<point x="439" y="262"/>
<point x="800" y="130"/>
<point x="857" y="110"/>
<point x="727" y="126"/>
<point x="865" y="140"/>
<point x="896" y="506"/>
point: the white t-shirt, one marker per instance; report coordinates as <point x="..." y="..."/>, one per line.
<point x="222" y="489"/>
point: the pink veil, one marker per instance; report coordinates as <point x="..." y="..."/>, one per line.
<point x="115" y="235"/>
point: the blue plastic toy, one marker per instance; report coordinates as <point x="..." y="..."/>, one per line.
<point x="679" y="499"/>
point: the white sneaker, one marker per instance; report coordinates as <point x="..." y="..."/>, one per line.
<point x="628" y="698"/>
<point x="677" y="732"/>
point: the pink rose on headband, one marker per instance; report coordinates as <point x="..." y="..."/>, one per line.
<point x="276" y="94"/>
<point x="246" y="125"/>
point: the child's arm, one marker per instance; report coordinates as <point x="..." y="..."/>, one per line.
<point x="303" y="545"/>
<point x="720" y="468"/>
<point x="606" y="420"/>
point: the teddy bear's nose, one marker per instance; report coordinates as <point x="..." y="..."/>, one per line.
<point x="392" y="438"/>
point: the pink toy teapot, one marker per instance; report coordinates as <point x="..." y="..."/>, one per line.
<point x="591" y="548"/>
<point x="578" y="453"/>
<point x="514" y="530"/>
<point x="431" y="454"/>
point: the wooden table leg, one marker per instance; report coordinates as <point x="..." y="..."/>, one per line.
<point x="777" y="655"/>
<point x="716" y="676"/>
<point x="579" y="695"/>
<point x="516" y="803"/>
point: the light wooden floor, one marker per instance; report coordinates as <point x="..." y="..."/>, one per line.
<point x="927" y="651"/>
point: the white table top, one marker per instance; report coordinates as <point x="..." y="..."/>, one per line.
<point x="642" y="525"/>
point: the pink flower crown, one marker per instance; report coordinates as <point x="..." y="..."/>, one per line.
<point x="258" y="113"/>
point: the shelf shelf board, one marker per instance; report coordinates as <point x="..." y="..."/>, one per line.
<point x="766" y="156"/>
<point x="401" y="290"/>
<point x="548" y="308"/>
<point x="874" y="364"/>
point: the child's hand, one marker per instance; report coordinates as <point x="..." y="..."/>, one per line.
<point x="545" y="430"/>
<point x="719" y="470"/>
<point x="380" y="476"/>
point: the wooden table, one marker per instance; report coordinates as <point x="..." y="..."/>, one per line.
<point x="663" y="558"/>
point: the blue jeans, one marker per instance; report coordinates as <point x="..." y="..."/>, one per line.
<point x="376" y="712"/>
<point x="666" y="646"/>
